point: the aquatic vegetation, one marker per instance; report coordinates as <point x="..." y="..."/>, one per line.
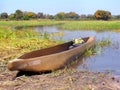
<point x="57" y="34"/>
<point x="104" y="42"/>
<point x="16" y="24"/>
<point x="26" y="33"/>
<point x="6" y="33"/>
<point x="45" y="35"/>
<point x="14" y="47"/>
<point x="91" y="25"/>
<point x="15" y="42"/>
<point x="97" y="49"/>
<point x="89" y="51"/>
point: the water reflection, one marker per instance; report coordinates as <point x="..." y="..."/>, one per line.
<point x="108" y="59"/>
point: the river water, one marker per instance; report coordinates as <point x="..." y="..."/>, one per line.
<point x="106" y="61"/>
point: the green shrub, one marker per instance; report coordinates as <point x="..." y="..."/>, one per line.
<point x="25" y="17"/>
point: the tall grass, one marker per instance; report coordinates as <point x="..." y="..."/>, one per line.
<point x="29" y="23"/>
<point x="77" y="25"/>
<point x="92" y="25"/>
<point x="15" y="46"/>
<point x="15" y="42"/>
<point x="8" y="33"/>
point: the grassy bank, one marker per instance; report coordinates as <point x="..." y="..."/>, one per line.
<point x="19" y="41"/>
<point x="92" y="25"/>
<point x="15" y="42"/>
<point x="84" y="25"/>
<point x="30" y="23"/>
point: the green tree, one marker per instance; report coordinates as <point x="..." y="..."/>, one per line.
<point x="4" y="15"/>
<point x="25" y="17"/>
<point x="31" y="14"/>
<point x="11" y="16"/>
<point x="102" y="15"/>
<point x="90" y="17"/>
<point x="51" y="17"/>
<point x="18" y="14"/>
<point x="72" y="15"/>
<point x="60" y="16"/>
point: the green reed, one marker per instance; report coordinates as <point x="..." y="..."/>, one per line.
<point x="92" y="25"/>
<point x="97" y="48"/>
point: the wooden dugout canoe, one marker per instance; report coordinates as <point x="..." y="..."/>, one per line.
<point x="51" y="58"/>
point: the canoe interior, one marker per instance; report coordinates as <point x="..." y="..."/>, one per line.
<point x="50" y="50"/>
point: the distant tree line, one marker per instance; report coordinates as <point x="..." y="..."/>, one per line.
<point x="20" y="15"/>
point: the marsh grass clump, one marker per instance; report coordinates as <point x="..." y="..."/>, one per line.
<point x="97" y="48"/>
<point x="89" y="51"/>
<point x="9" y="48"/>
<point x="91" y="25"/>
<point x="26" y="33"/>
<point x="104" y="42"/>
<point x="15" y="42"/>
<point x="45" y="35"/>
<point x="7" y="33"/>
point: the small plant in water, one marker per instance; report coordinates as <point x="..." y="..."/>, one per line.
<point x="104" y="42"/>
<point x="98" y="47"/>
<point x="45" y="35"/>
<point x="89" y="51"/>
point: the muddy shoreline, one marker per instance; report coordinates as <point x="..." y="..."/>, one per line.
<point x="66" y="79"/>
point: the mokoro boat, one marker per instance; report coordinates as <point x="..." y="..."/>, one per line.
<point x="51" y="58"/>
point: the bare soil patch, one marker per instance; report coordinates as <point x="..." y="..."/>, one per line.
<point x="66" y="79"/>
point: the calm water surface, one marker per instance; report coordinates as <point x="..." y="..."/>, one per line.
<point x="109" y="58"/>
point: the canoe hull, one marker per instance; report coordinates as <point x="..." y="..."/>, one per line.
<point x="48" y="62"/>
